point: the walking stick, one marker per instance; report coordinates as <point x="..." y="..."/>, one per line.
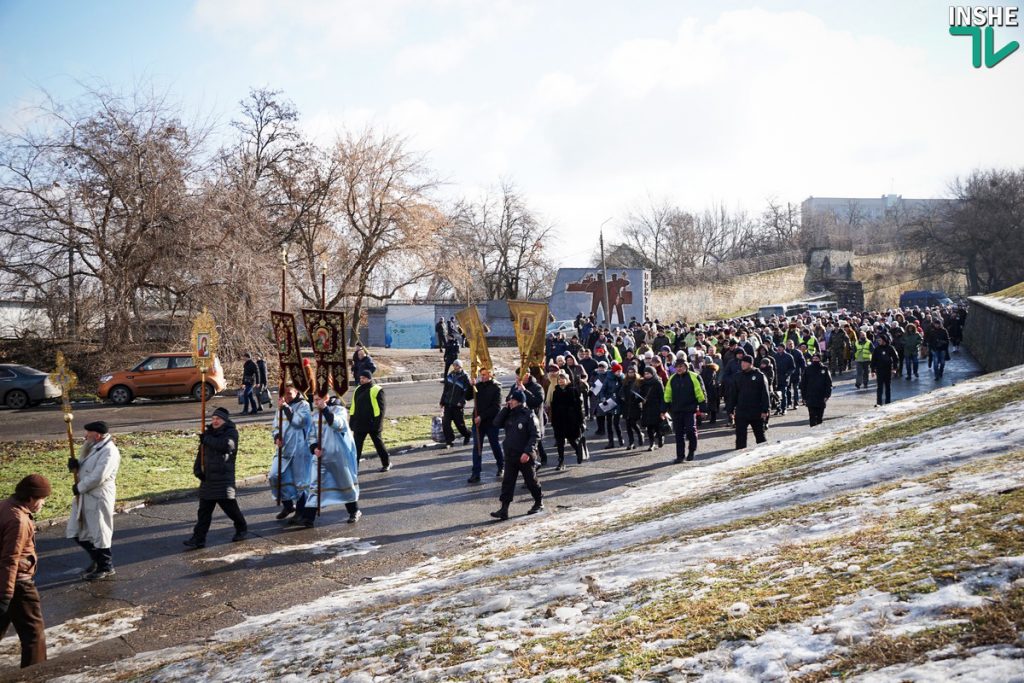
<point x="281" y="387"/>
<point x="325" y="393"/>
<point x="280" y="434"/>
<point x="63" y="377"/>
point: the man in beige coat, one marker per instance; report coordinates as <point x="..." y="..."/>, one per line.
<point x="92" y="512"/>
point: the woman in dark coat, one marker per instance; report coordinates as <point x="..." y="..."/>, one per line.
<point x="362" y="361"/>
<point x="712" y="396"/>
<point x="653" y="392"/>
<point x="215" y="469"/>
<point x="566" y="417"/>
<point x="631" y="402"/>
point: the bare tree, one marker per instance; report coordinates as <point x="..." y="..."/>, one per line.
<point x="979" y="232"/>
<point x="494" y="248"/>
<point x="387" y="212"/>
<point x="101" y="192"/>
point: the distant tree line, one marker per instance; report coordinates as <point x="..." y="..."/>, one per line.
<point x="977" y="232"/>
<point x="980" y="234"/>
<point x="119" y="215"/>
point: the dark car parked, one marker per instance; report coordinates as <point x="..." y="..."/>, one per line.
<point x="22" y="386"/>
<point x="924" y="298"/>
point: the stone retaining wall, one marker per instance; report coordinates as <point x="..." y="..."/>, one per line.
<point x="742" y="294"/>
<point x="994" y="333"/>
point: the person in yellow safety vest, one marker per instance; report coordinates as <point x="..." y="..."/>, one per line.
<point x="811" y="342"/>
<point x="366" y="413"/>
<point x="862" y="349"/>
<point x="683" y="397"/>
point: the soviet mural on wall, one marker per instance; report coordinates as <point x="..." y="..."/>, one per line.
<point x="582" y="290"/>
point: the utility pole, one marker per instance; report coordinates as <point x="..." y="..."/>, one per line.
<point x="604" y="268"/>
<point x="72" y="311"/>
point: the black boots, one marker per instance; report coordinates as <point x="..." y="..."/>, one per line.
<point x="288" y="509"/>
<point x="501" y="514"/>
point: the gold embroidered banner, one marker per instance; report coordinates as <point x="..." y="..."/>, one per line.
<point x="288" y="350"/>
<point x="530" y="320"/>
<point x="476" y="334"/>
<point x="326" y="330"/>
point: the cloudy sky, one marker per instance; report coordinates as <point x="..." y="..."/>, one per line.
<point x="589" y="107"/>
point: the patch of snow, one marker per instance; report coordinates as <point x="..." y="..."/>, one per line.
<point x="999" y="663"/>
<point x="77" y="634"/>
<point x="338" y="548"/>
<point x="538" y="592"/>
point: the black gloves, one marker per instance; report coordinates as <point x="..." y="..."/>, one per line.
<point x="74" y="489"/>
<point x="73" y="464"/>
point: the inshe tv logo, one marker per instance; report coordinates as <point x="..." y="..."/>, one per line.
<point x="969" y="21"/>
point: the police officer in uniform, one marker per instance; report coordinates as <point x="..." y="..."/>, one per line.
<point x="520" y="441"/>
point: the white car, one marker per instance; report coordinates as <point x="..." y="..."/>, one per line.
<point x="567" y="327"/>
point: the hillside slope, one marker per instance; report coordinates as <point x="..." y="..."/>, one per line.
<point x="886" y="547"/>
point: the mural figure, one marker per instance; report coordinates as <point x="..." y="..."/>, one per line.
<point x="619" y="294"/>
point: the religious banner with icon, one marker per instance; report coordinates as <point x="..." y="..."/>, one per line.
<point x="476" y="335"/>
<point x="288" y="351"/>
<point x="530" y="320"/>
<point x="326" y="330"/>
<point x="204" y="340"/>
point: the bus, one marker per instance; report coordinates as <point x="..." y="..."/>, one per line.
<point x="790" y="309"/>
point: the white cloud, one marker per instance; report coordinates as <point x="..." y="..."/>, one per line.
<point x="748" y="105"/>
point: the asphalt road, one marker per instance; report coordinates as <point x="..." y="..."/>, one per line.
<point x="46" y="421"/>
<point x="422" y="508"/>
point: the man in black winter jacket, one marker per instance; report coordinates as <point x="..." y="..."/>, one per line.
<point x="883" y="363"/>
<point x="250" y="377"/>
<point x="785" y="366"/>
<point x="521" y="438"/>
<point x="215" y="469"/>
<point x="684" y="395"/>
<point x="816" y="387"/>
<point x="486" y="395"/>
<point x="453" y="402"/>
<point x="535" y="402"/>
<point x="750" y="402"/>
<point x="366" y="418"/>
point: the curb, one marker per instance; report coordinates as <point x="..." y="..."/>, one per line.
<point x="181" y="494"/>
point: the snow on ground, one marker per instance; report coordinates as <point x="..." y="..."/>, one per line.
<point x="492" y="600"/>
<point x="796" y="649"/>
<point x="997" y="663"/>
<point x="337" y="548"/>
<point x="77" y="634"/>
<point x="1006" y="304"/>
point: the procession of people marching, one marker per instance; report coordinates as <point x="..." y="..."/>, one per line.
<point x="633" y="385"/>
<point x="654" y="379"/>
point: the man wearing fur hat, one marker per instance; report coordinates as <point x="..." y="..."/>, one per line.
<point x="215" y="470"/>
<point x="19" y="599"/>
<point x="92" y="512"/>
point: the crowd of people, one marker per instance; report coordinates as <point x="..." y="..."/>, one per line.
<point x="658" y="379"/>
<point x="654" y="379"/>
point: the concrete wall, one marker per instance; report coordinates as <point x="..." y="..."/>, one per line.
<point x="994" y="335"/>
<point x="742" y="294"/>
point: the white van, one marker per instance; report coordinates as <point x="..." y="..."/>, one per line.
<point x="788" y="310"/>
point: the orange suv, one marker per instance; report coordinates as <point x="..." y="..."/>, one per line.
<point x="161" y="375"/>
